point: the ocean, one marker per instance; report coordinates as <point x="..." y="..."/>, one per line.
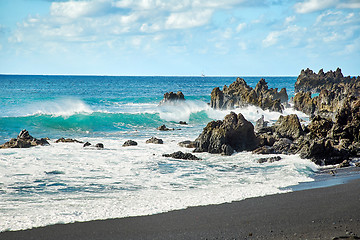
<point x="65" y="182"/>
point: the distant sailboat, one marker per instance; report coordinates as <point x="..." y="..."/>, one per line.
<point x="202" y="74"/>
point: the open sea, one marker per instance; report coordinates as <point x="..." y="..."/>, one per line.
<point x="64" y="182"/>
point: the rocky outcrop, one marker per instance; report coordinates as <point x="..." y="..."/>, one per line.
<point x="129" y="143"/>
<point x="288" y="127"/>
<point x="308" y="81"/>
<point x="239" y="94"/>
<point x="155" y="140"/>
<point x="233" y="133"/>
<point x="172" y="97"/>
<point x="333" y="89"/>
<point x="181" y="155"/>
<point x="24" y="140"/>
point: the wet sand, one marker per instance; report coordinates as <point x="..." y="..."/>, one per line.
<point x="318" y="213"/>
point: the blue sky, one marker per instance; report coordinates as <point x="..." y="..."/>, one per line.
<point x="179" y="37"/>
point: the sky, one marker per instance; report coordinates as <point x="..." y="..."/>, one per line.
<point x="179" y="37"/>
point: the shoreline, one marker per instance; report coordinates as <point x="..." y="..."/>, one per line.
<point x="329" y="209"/>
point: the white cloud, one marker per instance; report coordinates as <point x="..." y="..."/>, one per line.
<point x="78" y="9"/>
<point x="309" y="6"/>
<point x="190" y="19"/>
<point x="289" y="19"/>
<point x="292" y="36"/>
<point x="240" y="27"/>
<point x="314" y="5"/>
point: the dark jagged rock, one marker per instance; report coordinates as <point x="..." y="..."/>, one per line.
<point x="181" y="155"/>
<point x="308" y="81"/>
<point x="24" y="140"/>
<point x="155" y="140"/>
<point x="269" y="159"/>
<point x="239" y="94"/>
<point x="233" y="133"/>
<point x="333" y="89"/>
<point x="172" y="97"/>
<point x="187" y="144"/>
<point x="289" y="126"/>
<point x="183" y="123"/>
<point x="87" y="144"/>
<point x="129" y="143"/>
<point x="67" y="140"/>
<point x="320" y="127"/>
<point x="164" y="128"/>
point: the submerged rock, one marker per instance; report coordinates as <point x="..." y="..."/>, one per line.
<point x="164" y="128"/>
<point x="155" y="140"/>
<point x="99" y="145"/>
<point x="181" y="155"/>
<point x="239" y="94"/>
<point x="24" y="140"/>
<point x="187" y="144"/>
<point x="129" y="143"/>
<point x="233" y="133"/>
<point x="269" y="159"/>
<point x="67" y="140"/>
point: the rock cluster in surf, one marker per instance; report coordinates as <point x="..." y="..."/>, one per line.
<point x="239" y="94"/>
<point x="332" y="137"/>
<point x="24" y="140"/>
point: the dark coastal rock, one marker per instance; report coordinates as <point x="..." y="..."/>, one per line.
<point x="233" y="133"/>
<point x="24" y="140"/>
<point x="99" y="145"/>
<point x="309" y="81"/>
<point x="164" y="128"/>
<point x="67" y="140"/>
<point x="129" y="143"/>
<point x="181" y="155"/>
<point x="320" y="127"/>
<point x="87" y="144"/>
<point x="183" y="123"/>
<point x="155" y="140"/>
<point x="333" y="89"/>
<point x="269" y="159"/>
<point x="239" y="94"/>
<point x="172" y="97"/>
<point x="289" y="126"/>
<point x="187" y="144"/>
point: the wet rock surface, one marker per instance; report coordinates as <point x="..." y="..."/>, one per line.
<point x="155" y="140"/>
<point x="181" y="155"/>
<point x="129" y="143"/>
<point x="172" y="97"/>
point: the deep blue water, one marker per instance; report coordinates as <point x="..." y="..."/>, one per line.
<point x="74" y="105"/>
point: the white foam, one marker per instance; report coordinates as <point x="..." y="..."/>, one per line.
<point x="57" y="107"/>
<point x="181" y="111"/>
<point x="129" y="181"/>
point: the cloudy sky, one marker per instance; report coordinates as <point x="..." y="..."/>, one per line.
<point x="179" y="37"/>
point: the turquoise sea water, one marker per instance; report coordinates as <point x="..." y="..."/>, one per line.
<point x="65" y="182"/>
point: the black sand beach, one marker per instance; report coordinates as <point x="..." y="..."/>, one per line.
<point x="320" y="213"/>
